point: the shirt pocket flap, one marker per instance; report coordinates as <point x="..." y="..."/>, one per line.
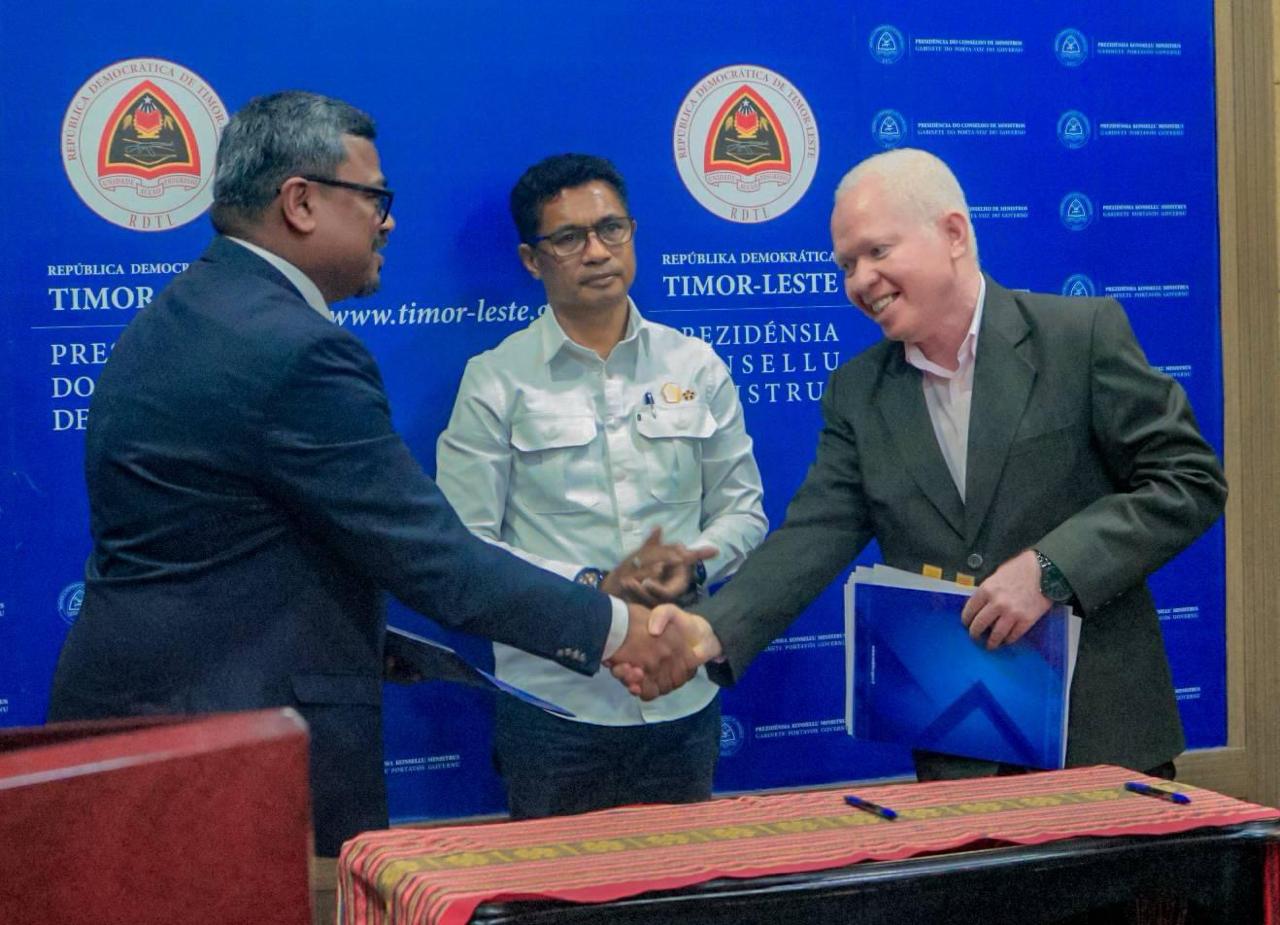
<point x="687" y="419"/>
<point x="337" y="688"/>
<point x="546" y="431"/>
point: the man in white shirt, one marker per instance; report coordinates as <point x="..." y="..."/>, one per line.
<point x="573" y="443"/>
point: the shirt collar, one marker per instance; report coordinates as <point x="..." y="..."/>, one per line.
<point x="968" y="350"/>
<point x="554" y="340"/>
<point x="309" y="291"/>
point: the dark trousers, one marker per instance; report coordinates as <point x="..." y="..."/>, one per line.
<point x="554" y="767"/>
<point x="937" y="766"/>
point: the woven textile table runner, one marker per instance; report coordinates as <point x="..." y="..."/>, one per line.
<point x="439" y="876"/>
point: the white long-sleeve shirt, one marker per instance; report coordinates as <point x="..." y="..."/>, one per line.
<point x="570" y="460"/>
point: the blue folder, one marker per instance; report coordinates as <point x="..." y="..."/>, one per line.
<point x="434" y="661"/>
<point x="917" y="679"/>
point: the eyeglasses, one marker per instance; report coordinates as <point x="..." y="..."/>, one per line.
<point x="383" y="196"/>
<point x="565" y="242"/>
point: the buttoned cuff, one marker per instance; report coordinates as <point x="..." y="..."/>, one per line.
<point x="617" y="628"/>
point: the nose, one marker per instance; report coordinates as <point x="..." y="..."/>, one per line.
<point x="388" y="224"/>
<point x="595" y="250"/>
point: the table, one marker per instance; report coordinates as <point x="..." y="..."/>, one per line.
<point x="1012" y="849"/>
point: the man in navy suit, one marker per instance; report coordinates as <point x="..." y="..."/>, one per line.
<point x="250" y="501"/>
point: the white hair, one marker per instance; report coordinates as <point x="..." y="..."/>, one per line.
<point x="919" y="180"/>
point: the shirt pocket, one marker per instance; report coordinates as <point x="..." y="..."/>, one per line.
<point x="553" y="472"/>
<point x="671" y="443"/>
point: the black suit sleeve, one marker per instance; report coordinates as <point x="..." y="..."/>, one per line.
<point x="1169" y="483"/>
<point x="336" y="464"/>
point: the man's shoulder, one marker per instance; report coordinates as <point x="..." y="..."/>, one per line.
<point x="1046" y="308"/>
<point x="670" y="341"/>
<point x="520" y="346"/>
<point x="868" y="365"/>
<point x="245" y="313"/>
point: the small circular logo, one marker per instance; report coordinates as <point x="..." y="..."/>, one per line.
<point x="732" y="736"/>
<point x="886" y="44"/>
<point x="1071" y="47"/>
<point x="1079" y="286"/>
<point x="70" y="601"/>
<point x="889" y="128"/>
<point x="138" y="143"/>
<point x="1076" y="211"/>
<point x="746" y="143"/>
<point x="1074" y="130"/>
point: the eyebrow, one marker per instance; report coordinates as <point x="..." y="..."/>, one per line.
<point x="567" y="225"/>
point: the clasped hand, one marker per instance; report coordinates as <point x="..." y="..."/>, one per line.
<point x="656" y="573"/>
<point x="663" y="649"/>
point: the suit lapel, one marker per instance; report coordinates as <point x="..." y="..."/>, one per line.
<point x="901" y="404"/>
<point x="1002" y="381"/>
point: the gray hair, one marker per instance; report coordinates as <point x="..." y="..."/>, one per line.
<point x="919" y="180"/>
<point x="275" y="137"/>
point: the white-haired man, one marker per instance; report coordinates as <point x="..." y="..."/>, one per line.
<point x="1017" y="437"/>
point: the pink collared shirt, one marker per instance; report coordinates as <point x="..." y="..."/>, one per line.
<point x="947" y="395"/>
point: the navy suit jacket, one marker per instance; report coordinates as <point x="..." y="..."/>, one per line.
<point x="1077" y="447"/>
<point x="249" y="503"/>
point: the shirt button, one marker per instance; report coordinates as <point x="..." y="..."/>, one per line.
<point x="974" y="560"/>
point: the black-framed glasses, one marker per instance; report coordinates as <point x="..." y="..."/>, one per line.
<point x="565" y="242"/>
<point x="382" y="195"/>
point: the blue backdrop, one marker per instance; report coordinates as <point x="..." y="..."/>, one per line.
<point x="1083" y="135"/>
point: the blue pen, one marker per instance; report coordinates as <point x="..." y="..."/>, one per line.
<point x="867" y="806"/>
<point x="1137" y="786"/>
<point x="648" y="400"/>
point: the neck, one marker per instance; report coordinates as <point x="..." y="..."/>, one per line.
<point x="943" y="345"/>
<point x="293" y="249"/>
<point x="597" y="330"/>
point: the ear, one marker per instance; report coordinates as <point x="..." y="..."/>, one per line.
<point x="297" y="205"/>
<point x="529" y="257"/>
<point x="955" y="229"/>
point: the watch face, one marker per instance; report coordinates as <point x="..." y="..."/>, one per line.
<point x="591" y="577"/>
<point x="1054" y="586"/>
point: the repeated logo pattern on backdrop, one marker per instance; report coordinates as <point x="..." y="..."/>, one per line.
<point x="1085" y="141"/>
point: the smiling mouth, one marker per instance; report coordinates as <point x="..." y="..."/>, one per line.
<point x="880" y="304"/>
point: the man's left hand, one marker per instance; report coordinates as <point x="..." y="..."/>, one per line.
<point x="1008" y="603"/>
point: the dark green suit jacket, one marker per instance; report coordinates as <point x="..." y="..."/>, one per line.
<point x="1077" y="447"/>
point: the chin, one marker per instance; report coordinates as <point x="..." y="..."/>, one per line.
<point x="369" y="288"/>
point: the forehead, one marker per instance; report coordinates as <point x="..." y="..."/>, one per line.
<point x="580" y="205"/>
<point x="362" y="163"/>
<point x="868" y="211"/>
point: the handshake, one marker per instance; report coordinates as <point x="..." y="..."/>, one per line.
<point x="665" y="646"/>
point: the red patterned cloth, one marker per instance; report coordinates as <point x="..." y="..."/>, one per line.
<point x="439" y="876"/>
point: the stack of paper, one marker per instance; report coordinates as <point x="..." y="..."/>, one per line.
<point x="914" y="677"/>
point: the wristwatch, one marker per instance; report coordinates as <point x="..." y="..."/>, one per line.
<point x="697" y="583"/>
<point x="1053" y="584"/>
<point x="591" y="577"/>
